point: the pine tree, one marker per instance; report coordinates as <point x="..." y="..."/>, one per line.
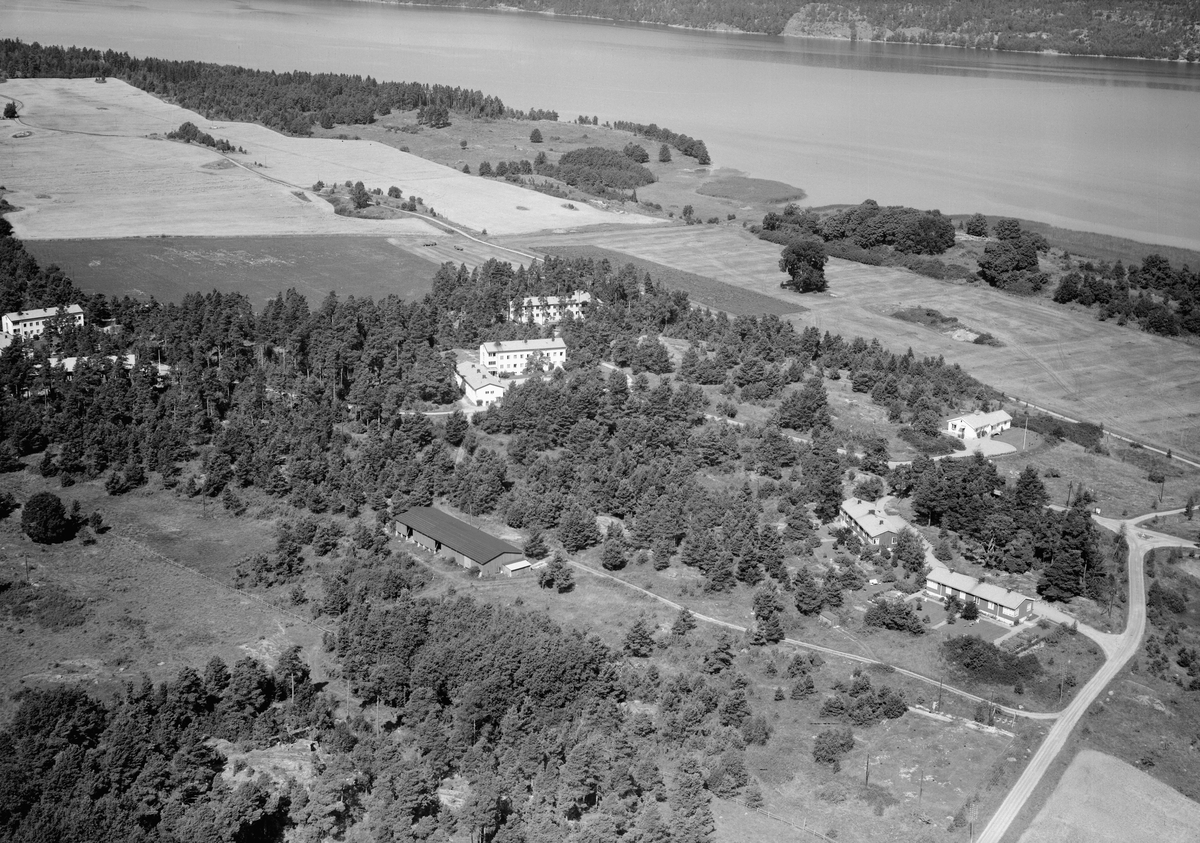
<point x="808" y="596"/>
<point x="748" y="570"/>
<point x="639" y="642"/>
<point x="804" y="687"/>
<point x="612" y="557"/>
<point x="690" y="805"/>
<point x="685" y="622"/>
<point x="720" y="574"/>
<point x="772" y="629"/>
<point x="535" y="546"/>
<point x="770" y="552"/>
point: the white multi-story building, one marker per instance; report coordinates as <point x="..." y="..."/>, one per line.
<point x="33" y="323"/>
<point x="510" y="357"/>
<point x="544" y="310"/>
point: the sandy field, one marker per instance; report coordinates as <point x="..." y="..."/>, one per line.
<point x="1103" y="800"/>
<point x="95" y="165"/>
<point x="1132" y="382"/>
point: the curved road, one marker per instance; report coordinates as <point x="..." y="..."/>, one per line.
<point x="1127" y="645"/>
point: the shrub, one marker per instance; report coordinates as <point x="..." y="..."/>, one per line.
<point x="44" y="519"/>
<point x="988" y="663"/>
<point x="832" y="744"/>
<point x="894" y="614"/>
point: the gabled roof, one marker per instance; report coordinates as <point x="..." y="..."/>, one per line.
<point x="978" y="420"/>
<point x="871" y="518"/>
<point x="454" y="534"/>
<point x="982" y="590"/>
<point x="476" y="377"/>
<point x="575" y="298"/>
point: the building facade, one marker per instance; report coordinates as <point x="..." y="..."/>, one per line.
<point x="545" y="310"/>
<point x="511" y="357"/>
<point x="995" y="602"/>
<point x="479" y="387"/>
<point x="979" y="425"/>
<point x="28" y="324"/>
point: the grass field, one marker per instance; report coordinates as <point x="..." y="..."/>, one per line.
<point x="91" y="168"/>
<point x="1129" y="381"/>
<point x="701" y="289"/>
<point x="258" y="267"/>
<point x="1104" y="800"/>
<point x="141" y="613"/>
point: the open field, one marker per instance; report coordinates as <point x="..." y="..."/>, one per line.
<point x="1131" y="382"/>
<point x="710" y="191"/>
<point x="700" y="289"/>
<point x="141" y="613"/>
<point x="91" y="154"/>
<point x="258" y="267"/>
<point x="1101" y="799"/>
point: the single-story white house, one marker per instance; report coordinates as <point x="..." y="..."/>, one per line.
<point x="996" y="602"/>
<point x="979" y="425"/>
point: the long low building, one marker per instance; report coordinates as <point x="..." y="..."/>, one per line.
<point x="439" y="532"/>
<point x="999" y="603"/>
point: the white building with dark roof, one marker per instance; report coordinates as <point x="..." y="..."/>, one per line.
<point x="544" y="310"/>
<point x="979" y="425"/>
<point x="1002" y="604"/>
<point x="33" y="323"/>
<point x="510" y="357"/>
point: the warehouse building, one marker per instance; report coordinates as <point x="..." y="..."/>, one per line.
<point x="440" y="533"/>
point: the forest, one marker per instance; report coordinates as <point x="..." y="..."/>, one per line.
<point x="1164" y="29"/>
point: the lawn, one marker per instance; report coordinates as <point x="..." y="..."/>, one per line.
<point x="1175" y="525"/>
<point x="258" y="267"/>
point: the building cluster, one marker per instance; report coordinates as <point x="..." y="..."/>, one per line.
<point x="498" y="366"/>
<point x="877" y="528"/>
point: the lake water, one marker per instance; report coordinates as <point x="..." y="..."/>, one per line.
<point x="1094" y="144"/>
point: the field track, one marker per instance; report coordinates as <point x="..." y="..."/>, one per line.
<point x="1133" y="383"/>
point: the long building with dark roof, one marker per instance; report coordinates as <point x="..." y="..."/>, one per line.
<point x="438" y="532"/>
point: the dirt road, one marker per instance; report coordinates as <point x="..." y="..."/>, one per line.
<point x="1140" y="541"/>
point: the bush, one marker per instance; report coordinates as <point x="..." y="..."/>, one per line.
<point x="832" y="744"/>
<point x="44" y="519"/>
<point x="894" y="614"/>
<point x="987" y="662"/>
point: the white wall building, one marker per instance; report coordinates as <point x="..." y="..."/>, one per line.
<point x="480" y="388"/>
<point x="33" y="323"/>
<point x="979" y="425"/>
<point x="511" y="356"/>
<point x="544" y="310"/>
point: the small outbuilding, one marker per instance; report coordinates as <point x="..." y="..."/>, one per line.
<point x="439" y="532"/>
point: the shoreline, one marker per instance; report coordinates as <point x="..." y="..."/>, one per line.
<point x="725" y="29"/>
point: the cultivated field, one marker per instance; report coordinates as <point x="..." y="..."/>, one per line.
<point x="1103" y="800"/>
<point x="258" y="267"/>
<point x="1127" y="380"/>
<point x="95" y="165"/>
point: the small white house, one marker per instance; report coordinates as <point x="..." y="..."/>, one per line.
<point x="479" y="387"/>
<point x="33" y="323"/>
<point x="510" y="357"/>
<point x="979" y="425"/>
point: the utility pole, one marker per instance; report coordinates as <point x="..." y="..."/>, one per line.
<point x="867" y="774"/>
<point x="921" y="785"/>
<point x="1025" y="435"/>
<point x="939" y="701"/>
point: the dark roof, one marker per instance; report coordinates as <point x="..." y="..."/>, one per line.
<point x="454" y="534"/>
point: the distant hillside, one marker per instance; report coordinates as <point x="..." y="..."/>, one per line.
<point x="1165" y="29"/>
